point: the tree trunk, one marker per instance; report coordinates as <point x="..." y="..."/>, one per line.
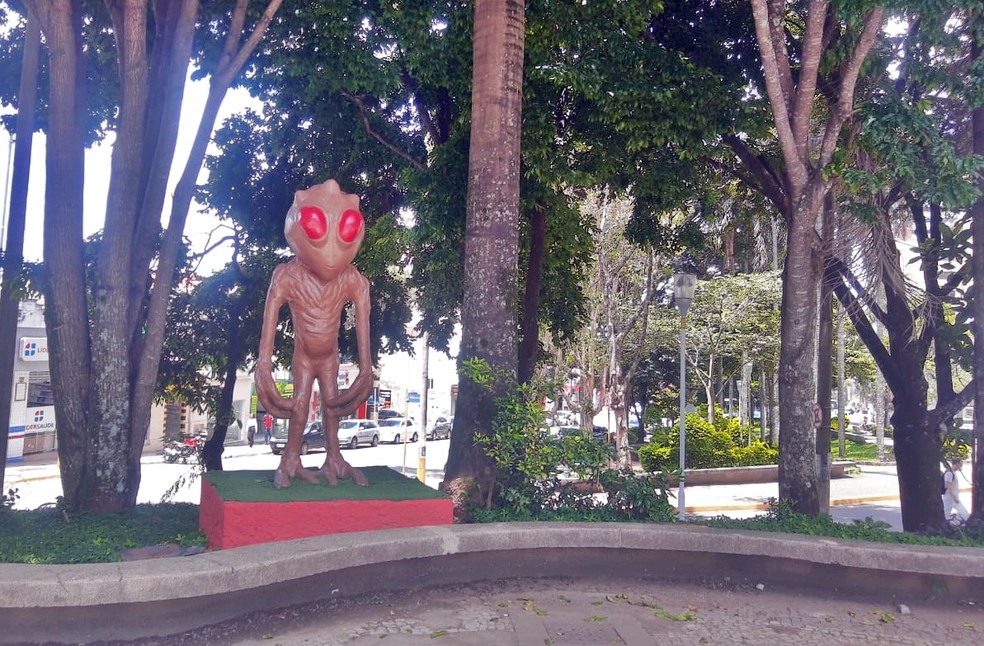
<point x="774" y="407"/>
<point x="530" y="329"/>
<point x="977" y="229"/>
<point x="798" y="190"/>
<point x="825" y="351"/>
<point x="841" y="395"/>
<point x="797" y="444"/>
<point x="617" y="404"/>
<point x="110" y="342"/>
<point x="709" y="388"/>
<point x="825" y="358"/>
<point x="765" y="408"/>
<point x="235" y="353"/>
<point x="878" y="416"/>
<point x="13" y="257"/>
<point x="104" y="370"/>
<point x="914" y="439"/>
<point x="488" y="312"/>
<point x="745" y="391"/>
<point x="66" y="309"/>
<point x="902" y="364"/>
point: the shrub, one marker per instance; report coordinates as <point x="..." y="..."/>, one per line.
<point x="653" y="457"/>
<point x="756" y="453"/>
<point x="540" y="477"/>
<point x="709" y="446"/>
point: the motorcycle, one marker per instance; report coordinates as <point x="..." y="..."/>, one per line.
<point x="175" y="450"/>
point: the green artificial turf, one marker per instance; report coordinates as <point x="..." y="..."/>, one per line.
<point x="257" y="486"/>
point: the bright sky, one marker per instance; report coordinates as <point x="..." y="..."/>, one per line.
<point x="97" y="177"/>
<point x="405" y="372"/>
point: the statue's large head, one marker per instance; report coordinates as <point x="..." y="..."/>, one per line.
<point x="325" y="229"/>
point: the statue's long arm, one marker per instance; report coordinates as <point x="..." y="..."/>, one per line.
<point x="351" y="398"/>
<point x="274" y="403"/>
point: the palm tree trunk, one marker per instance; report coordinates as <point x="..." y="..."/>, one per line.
<point x="488" y="312"/>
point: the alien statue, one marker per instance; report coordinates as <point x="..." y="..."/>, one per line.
<point x="324" y="230"/>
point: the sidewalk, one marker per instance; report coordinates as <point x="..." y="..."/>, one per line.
<point x="873" y="492"/>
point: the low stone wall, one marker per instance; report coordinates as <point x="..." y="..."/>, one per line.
<point x="749" y="475"/>
<point x="118" y="601"/>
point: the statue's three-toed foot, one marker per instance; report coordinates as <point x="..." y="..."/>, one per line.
<point x="335" y="468"/>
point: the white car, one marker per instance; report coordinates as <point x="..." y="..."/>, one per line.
<point x="353" y="432"/>
<point x="397" y="429"/>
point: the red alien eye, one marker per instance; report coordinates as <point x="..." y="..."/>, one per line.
<point x="313" y="222"/>
<point x="349" y="225"/>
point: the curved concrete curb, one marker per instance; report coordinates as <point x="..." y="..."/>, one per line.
<point x="81" y="603"/>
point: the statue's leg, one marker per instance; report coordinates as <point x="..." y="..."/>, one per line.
<point x="335" y="466"/>
<point x="290" y="462"/>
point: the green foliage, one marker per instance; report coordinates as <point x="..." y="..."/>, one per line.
<point x="755" y="454"/>
<point x="52" y="535"/>
<point x="956" y="444"/>
<point x="546" y="478"/>
<point x="654" y="458"/>
<point x="781" y="518"/>
<point x="709" y="446"/>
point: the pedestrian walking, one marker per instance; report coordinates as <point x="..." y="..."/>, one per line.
<point x="953" y="510"/>
<point x="251" y="433"/>
<point x="267" y="428"/>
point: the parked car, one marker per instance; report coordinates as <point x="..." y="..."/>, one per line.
<point x="565" y="431"/>
<point x="353" y="432"/>
<point x="387" y="413"/>
<point x="599" y="433"/>
<point x="397" y="429"/>
<point x="441" y="430"/>
<point x="313" y="438"/>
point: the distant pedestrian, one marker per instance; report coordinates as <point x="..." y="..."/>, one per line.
<point x="251" y="434"/>
<point x="267" y="428"/>
<point x="953" y="509"/>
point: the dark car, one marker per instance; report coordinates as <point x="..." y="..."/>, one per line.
<point x="599" y="433"/>
<point x="441" y="429"/>
<point x="313" y="438"/>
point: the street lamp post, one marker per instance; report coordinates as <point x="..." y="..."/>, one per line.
<point x="683" y="293"/>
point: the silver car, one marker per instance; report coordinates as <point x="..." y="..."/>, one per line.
<point x="353" y="432"/>
<point x="441" y="429"/>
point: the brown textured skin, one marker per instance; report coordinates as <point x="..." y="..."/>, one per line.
<point x="316" y="286"/>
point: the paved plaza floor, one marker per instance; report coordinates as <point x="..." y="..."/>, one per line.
<point x="579" y="612"/>
<point x="554" y="612"/>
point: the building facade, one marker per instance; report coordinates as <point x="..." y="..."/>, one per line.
<point x="32" y="427"/>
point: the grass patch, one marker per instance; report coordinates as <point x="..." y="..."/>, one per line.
<point x="51" y="535"/>
<point x="858" y="452"/>
<point x="778" y="519"/>
<point x="257" y="486"/>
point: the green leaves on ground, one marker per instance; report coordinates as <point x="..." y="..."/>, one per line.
<point x="52" y="535"/>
